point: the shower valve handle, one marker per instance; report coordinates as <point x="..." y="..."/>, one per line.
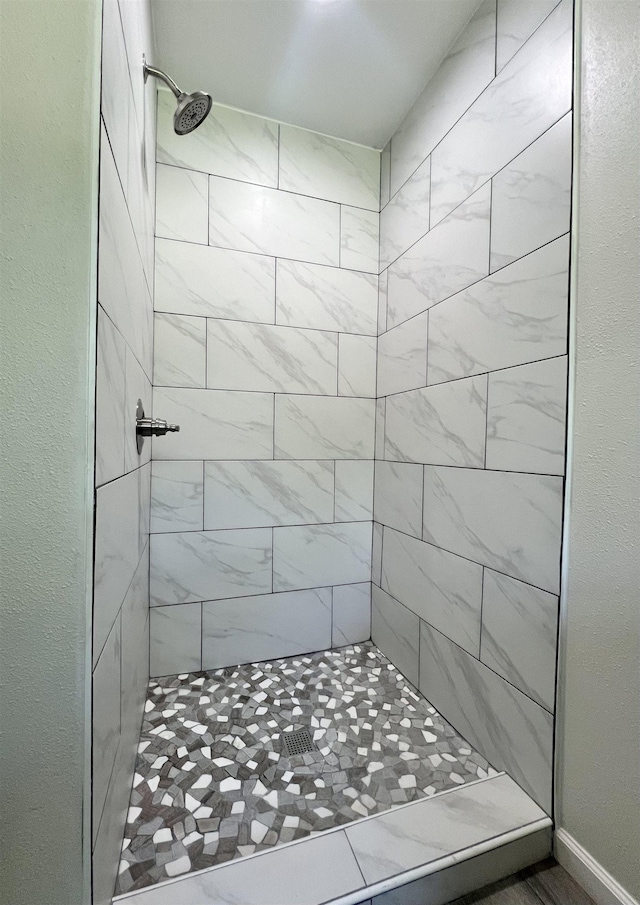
<point x="154" y="427"/>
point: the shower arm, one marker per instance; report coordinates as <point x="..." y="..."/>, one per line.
<point x="159" y="74"/>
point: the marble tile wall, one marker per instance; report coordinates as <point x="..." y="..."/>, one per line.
<point x="120" y="648"/>
<point x="265" y="353"/>
<point x="471" y="383"/>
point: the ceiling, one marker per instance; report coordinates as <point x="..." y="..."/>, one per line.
<point x="349" y="68"/>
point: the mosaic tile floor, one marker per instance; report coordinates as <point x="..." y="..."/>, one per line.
<point x="214" y="782"/>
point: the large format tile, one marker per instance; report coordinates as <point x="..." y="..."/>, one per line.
<point x="443" y="424"/>
<point x="519" y="635"/>
<point x="110" y="401"/>
<point x="138" y="386"/>
<point x="179" y="350"/>
<point x="176" y="496"/>
<point x="359" y="239"/>
<point x="175" y="639"/>
<point x="517" y="20"/>
<point x="506" y="521"/>
<point x="316" y="427"/>
<point x="351" y="619"/>
<point x="214" y="424"/>
<point x="251" y="629"/>
<point x="268" y="358"/>
<point x="253" y="218"/>
<point x="528" y="96"/>
<point x="321" y="555"/>
<point x="134" y="659"/>
<point x="396" y="631"/>
<point x="402" y="357"/>
<point x="453" y="255"/>
<point x="209" y="565"/>
<point x="376" y="554"/>
<point x="106" y="720"/>
<point x="314" y="164"/>
<point x="514" y="733"/>
<point x="261" y="494"/>
<point x="326" y="298"/>
<point x="383" y="291"/>
<point x="181" y="204"/>
<point x="357" y="365"/>
<point x="398" y="496"/>
<point x="116" y="98"/>
<point x="441" y="588"/>
<point x="516" y="315"/>
<point x="213" y="282"/>
<point x="228" y="143"/>
<point x="526" y="417"/>
<point x="405" y="219"/>
<point x="531" y="197"/>
<point x="354" y="490"/>
<point x="385" y="174"/>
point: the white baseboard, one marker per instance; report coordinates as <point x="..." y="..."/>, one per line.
<point x="591" y="875"/>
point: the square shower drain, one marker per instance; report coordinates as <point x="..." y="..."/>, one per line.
<point x="297" y="741"/>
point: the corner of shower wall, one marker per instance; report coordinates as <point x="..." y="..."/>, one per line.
<point x="120" y="628"/>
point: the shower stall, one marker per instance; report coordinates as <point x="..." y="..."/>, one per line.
<point x="325" y="611"/>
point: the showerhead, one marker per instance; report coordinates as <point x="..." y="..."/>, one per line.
<point x="192" y="109"/>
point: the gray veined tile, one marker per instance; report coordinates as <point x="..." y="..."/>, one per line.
<point x="376" y="554"/>
<point x="512" y="731"/>
<point x="443" y="589"/>
<point x="330" y="427"/>
<point x="138" y="386"/>
<point x="116" y="100"/>
<point x="181" y="204"/>
<point x="406" y="217"/>
<point x="263" y="494"/>
<point x="527" y="417"/>
<point x="402" y="357"/>
<point x="176" y="496"/>
<point x="453" y="255"/>
<point x="175" y="639"/>
<point x="531" y="196"/>
<point x="106" y="719"/>
<point x="442" y="424"/>
<point x="321" y="555"/>
<point x="385" y="173"/>
<point x="519" y="635"/>
<point x="258" y="219"/>
<point x="134" y="671"/>
<point x="514" y="316"/>
<point x="213" y="282"/>
<point x="359" y="239"/>
<point x="228" y="143"/>
<point x="110" y="401"/>
<point x="398" y="496"/>
<point x="269" y="358"/>
<point x="517" y="20"/>
<point x="351" y="614"/>
<point x="326" y="298"/>
<point x="179" y="350"/>
<point x="357" y="365"/>
<point x="381" y="408"/>
<point x="353" y="490"/>
<point x="207" y="565"/>
<point x="383" y="287"/>
<point x="324" y="167"/>
<point x="396" y="631"/>
<point x="507" y="521"/>
<point x="248" y="629"/>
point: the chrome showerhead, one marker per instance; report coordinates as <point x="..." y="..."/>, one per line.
<point x="192" y="108"/>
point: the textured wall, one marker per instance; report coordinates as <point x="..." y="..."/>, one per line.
<point x="265" y="354"/>
<point x="125" y="323"/>
<point x="49" y="61"/>
<point x="474" y="252"/>
<point x="599" y="771"/>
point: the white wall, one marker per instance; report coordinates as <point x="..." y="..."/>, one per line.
<point x="599" y="726"/>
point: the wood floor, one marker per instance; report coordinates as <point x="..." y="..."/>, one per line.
<point x="545" y="884"/>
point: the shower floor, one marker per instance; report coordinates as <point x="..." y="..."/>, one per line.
<point x="213" y="781"/>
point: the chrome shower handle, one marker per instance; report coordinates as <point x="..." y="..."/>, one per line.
<point x="150" y="427"/>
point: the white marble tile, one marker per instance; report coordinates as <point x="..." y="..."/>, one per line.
<point x="214" y="282"/>
<point x="381" y="410"/>
<point x="396" y="631"/>
<point x="526" y="417"/>
<point x="106" y="720"/>
<point x="440" y="425"/>
<point x="405" y="219"/>
<point x="326" y="298"/>
<point x="516" y="315"/>
<point x="376" y="554"/>
<point x="175" y="639"/>
<point x="254" y="218"/>
<point x="134" y="671"/>
<point x="314" y="164"/>
<point x="250" y="880"/>
<point x="179" y="350"/>
<point x="517" y="20"/>
<point x="531" y="196"/>
<point x="427" y="830"/>
<point x="354" y="490"/>
<point x="209" y="565"/>
<point x="453" y="255"/>
<point x="116" y="97"/>
<point x="268" y="358"/>
<point x="351" y="614"/>
<point x="321" y="555"/>
<point x="530" y="94"/>
<point x="465" y="71"/>
<point x="506" y="521"/>
<point x="228" y="143"/>
<point x="138" y="386"/>
<point x="262" y="494"/>
<point x="508" y="728"/>
<point x="181" y="204"/>
<point x="258" y="628"/>
<point x="357" y="365"/>
<point x="316" y="427"/>
<point x="443" y="589"/>
<point x="385" y="174"/>
<point x="176" y="496"/>
<point x="359" y="239"/>
<point x="398" y="496"/>
<point x="383" y="296"/>
<point x="402" y="357"/>
<point x="214" y="424"/>
<point x="519" y="635"/>
<point x="110" y="401"/>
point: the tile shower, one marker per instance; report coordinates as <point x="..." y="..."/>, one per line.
<point x="366" y="353"/>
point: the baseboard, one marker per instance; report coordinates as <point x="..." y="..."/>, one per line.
<point x="589" y="873"/>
